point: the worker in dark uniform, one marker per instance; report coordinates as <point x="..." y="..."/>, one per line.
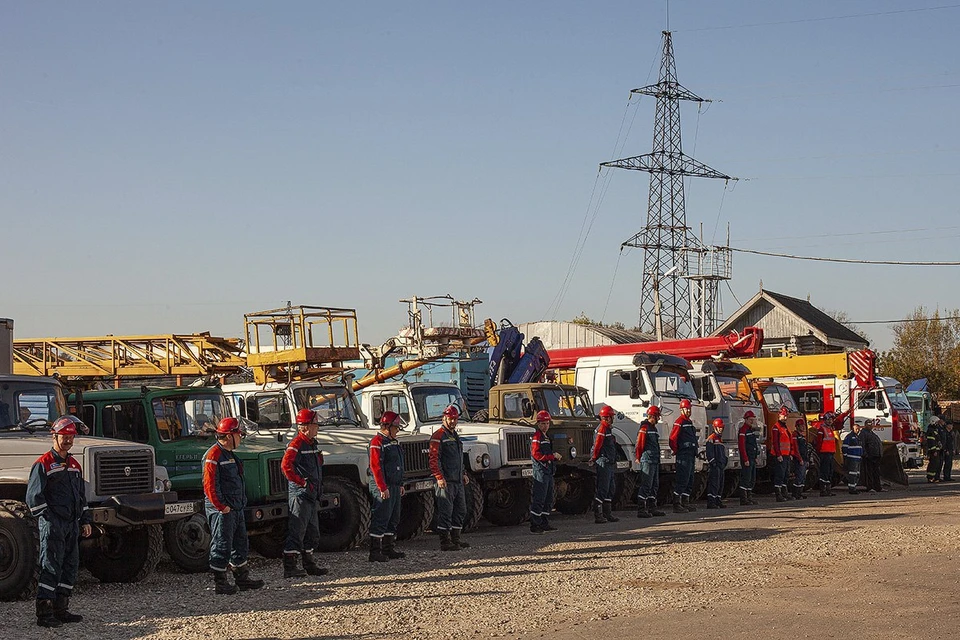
<point x="446" y="464"/>
<point x="947" y="451"/>
<point x="717" y="465"/>
<point x="749" y="449"/>
<point x="604" y="459"/>
<point x="852" y="453"/>
<point x="544" y="467"/>
<point x="685" y="446"/>
<point x="303" y="467"/>
<point x="57" y="499"/>
<point x="872" y="453"/>
<point x="798" y="457"/>
<point x="826" y="445"/>
<point x="386" y="489"/>
<point x="647" y="455"/>
<point x="780" y="455"/>
<point x="225" y="499"/>
<point x="934" y="450"/>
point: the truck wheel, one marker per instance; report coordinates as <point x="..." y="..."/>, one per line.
<point x="665" y="493"/>
<point x="577" y="497"/>
<point x="344" y="528"/>
<point x="508" y="503"/>
<point x="124" y="555"/>
<point x="187" y="542"/>
<point x="270" y="543"/>
<point x="731" y="481"/>
<point x="19" y="550"/>
<point x="699" y="486"/>
<point x="474" y="495"/>
<point x="416" y="514"/>
<point x="625" y="493"/>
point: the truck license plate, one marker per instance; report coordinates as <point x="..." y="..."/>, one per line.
<point x="526" y="473"/>
<point x="175" y="508"/>
<point x="423" y="485"/>
<point x="623" y="464"/>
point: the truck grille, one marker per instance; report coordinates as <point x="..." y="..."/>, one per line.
<point x="585" y="446"/>
<point x="123" y="472"/>
<point x="278" y="481"/>
<point x="416" y="459"/>
<point x="518" y="447"/>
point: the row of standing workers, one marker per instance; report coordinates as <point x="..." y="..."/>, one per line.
<point x="56" y="495"/>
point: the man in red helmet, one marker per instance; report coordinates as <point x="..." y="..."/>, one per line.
<point x="647" y="455"/>
<point x="225" y="499"/>
<point x="780" y="455"/>
<point x="825" y="442"/>
<point x="749" y="449"/>
<point x="604" y="457"/>
<point x="386" y="489"/>
<point x="544" y="466"/>
<point x="57" y="499"/>
<point x="303" y="467"/>
<point x="717" y="460"/>
<point x="685" y="445"/>
<point x="446" y="464"/>
<point x="799" y="452"/>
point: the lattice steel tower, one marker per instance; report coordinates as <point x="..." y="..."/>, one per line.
<point x="669" y="247"/>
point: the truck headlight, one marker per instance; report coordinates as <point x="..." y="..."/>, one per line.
<point x="484" y="460"/>
<point x="161" y="485"/>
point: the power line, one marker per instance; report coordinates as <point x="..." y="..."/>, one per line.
<point x="904" y="320"/>
<point x="902" y="263"/>
<point x="822" y="19"/>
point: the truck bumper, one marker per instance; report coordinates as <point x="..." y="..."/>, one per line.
<point x="136" y="509"/>
<point x="269" y="513"/>
<point x="508" y="473"/>
<point x="418" y="485"/>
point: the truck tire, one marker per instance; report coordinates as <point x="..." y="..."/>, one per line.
<point x="731" y="481"/>
<point x="699" y="486"/>
<point x="270" y="543"/>
<point x="665" y="493"/>
<point x="476" y="502"/>
<point x="625" y="493"/>
<point x="124" y="555"/>
<point x="577" y="497"/>
<point x="344" y="528"/>
<point x="187" y="542"/>
<point x="416" y="514"/>
<point x="19" y="550"/>
<point x="507" y="503"/>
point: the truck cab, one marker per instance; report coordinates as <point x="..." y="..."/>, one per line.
<point x="724" y="389"/>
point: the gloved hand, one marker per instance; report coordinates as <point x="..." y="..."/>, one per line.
<point x="601" y="462"/>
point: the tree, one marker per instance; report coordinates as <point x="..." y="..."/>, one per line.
<point x="926" y="347"/>
<point x="587" y="321"/>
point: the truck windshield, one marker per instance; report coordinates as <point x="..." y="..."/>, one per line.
<point x="777" y="396"/>
<point x="184" y="416"/>
<point x="563" y="403"/>
<point x="916" y="404"/>
<point x="733" y="387"/>
<point x="429" y="402"/>
<point x="334" y="406"/>
<point x="30" y="405"/>
<point x="669" y="383"/>
<point x="898" y="398"/>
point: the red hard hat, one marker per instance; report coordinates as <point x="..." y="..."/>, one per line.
<point x="800" y="423"/>
<point x="653" y="411"/>
<point x="68" y="426"/>
<point x="685" y="404"/>
<point x="543" y="416"/>
<point x="749" y="414"/>
<point x="228" y="425"/>
<point x="718" y="423"/>
<point x="451" y="411"/>
<point x="388" y="418"/>
<point x="784" y="411"/>
<point x="606" y="411"/>
<point x="306" y="416"/>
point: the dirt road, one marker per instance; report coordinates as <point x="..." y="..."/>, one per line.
<point x="869" y="566"/>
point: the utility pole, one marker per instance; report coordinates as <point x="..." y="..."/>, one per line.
<point x="666" y="240"/>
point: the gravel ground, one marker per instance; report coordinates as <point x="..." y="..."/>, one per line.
<point x="582" y="581"/>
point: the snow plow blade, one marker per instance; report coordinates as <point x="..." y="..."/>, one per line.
<point x="890" y="466"/>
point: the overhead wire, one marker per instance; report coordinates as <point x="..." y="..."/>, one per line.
<point x="901" y="263"/>
<point x="822" y="19"/>
<point x="612" y="282"/>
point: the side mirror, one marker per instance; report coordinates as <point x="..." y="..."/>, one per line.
<point x="527" y="409"/>
<point x="634" y="385"/>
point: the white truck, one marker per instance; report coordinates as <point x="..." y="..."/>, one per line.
<point x="128" y="495"/>
<point x="631" y="383"/>
<point x="497" y="456"/>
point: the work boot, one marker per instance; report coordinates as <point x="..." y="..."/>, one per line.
<point x="45" y="615"/>
<point x="311" y="567"/>
<point x="455" y="539"/>
<point x="61" y="608"/>
<point x="608" y="512"/>
<point x="241" y="576"/>
<point x="643" y="510"/>
<point x="536" y="528"/>
<point x="711" y="503"/>
<point x="652" y="507"/>
<point x="545" y="524"/>
<point x="389" y="548"/>
<point x="685" y="501"/>
<point x="744" y="498"/>
<point x="798" y="492"/>
<point x="779" y="493"/>
<point x="853" y="491"/>
<point x="376" y="548"/>
<point x="291" y="568"/>
<point x="787" y="494"/>
<point x="750" y="497"/>
<point x="720" y="503"/>
<point x="222" y="584"/>
<point x="598" y="513"/>
<point x="678" y="505"/>
<point x="446" y="544"/>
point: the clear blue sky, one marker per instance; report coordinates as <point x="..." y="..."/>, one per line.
<point x="166" y="167"/>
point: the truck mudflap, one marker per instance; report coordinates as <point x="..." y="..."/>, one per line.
<point x="891" y="464"/>
<point x="127" y="510"/>
<point x="509" y="473"/>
